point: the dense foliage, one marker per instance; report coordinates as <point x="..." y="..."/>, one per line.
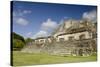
<point x="17" y="36"/>
<point x="28" y="40"/>
<point x="18" y="41"/>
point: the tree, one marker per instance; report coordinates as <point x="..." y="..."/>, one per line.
<point x="17" y="36"/>
<point x="18" y="41"/>
<point x="28" y="40"/>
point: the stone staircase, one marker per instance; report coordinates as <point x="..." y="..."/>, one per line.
<point x="57" y="48"/>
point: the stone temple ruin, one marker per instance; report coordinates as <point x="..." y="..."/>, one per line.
<point x="73" y="37"/>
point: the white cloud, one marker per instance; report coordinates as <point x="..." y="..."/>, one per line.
<point x="27" y="11"/>
<point x="21" y="21"/>
<point x="66" y="17"/>
<point x="41" y="33"/>
<point x="24" y="12"/>
<point x="21" y="13"/>
<point x="92" y="15"/>
<point x="29" y="33"/>
<point x="45" y="28"/>
<point x="18" y="17"/>
<point x="49" y="25"/>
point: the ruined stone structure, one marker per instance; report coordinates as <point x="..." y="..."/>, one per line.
<point x="76" y="39"/>
<point x="74" y="36"/>
<point x="43" y="40"/>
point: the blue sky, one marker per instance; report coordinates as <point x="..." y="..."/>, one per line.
<point x="31" y="19"/>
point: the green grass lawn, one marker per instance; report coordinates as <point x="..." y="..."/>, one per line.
<point x="20" y="59"/>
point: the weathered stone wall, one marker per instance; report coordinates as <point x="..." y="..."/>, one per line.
<point x="74" y="48"/>
<point x="75" y="35"/>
